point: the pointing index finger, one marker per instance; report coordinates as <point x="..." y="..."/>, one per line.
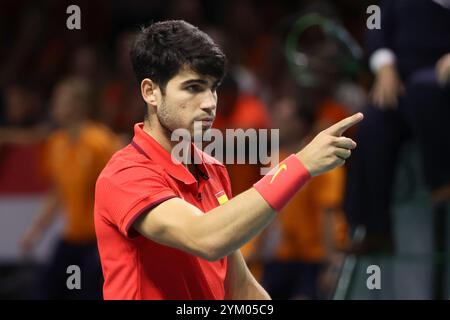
<point x="339" y="128"/>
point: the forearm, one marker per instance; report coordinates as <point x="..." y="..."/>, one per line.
<point x="240" y="283"/>
<point x="249" y="290"/>
<point x="256" y="292"/>
<point x="230" y="226"/>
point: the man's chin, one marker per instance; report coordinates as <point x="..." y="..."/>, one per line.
<point x="199" y="132"/>
<point x="201" y="127"/>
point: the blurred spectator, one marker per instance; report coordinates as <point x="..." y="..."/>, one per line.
<point x="75" y="155"/>
<point x="23" y="118"/>
<point x="23" y="104"/>
<point x="85" y="63"/>
<point x="22" y="131"/>
<point x="410" y="97"/>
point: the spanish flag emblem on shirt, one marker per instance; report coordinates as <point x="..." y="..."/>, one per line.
<point x="221" y="197"/>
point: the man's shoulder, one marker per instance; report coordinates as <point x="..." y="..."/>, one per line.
<point x="127" y="163"/>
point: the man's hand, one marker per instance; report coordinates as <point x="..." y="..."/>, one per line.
<point x="329" y="149"/>
<point x="443" y="69"/>
<point x="387" y="88"/>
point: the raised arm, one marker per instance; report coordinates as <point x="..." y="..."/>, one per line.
<point x="224" y="229"/>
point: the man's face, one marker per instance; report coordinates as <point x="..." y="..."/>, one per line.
<point x="189" y="98"/>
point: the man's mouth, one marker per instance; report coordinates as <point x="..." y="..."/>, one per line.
<point x="206" y="121"/>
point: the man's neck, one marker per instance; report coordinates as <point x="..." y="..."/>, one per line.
<point x="162" y="136"/>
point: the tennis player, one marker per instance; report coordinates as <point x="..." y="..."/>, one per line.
<point x="171" y="230"/>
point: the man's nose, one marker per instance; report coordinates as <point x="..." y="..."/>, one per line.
<point x="209" y="101"/>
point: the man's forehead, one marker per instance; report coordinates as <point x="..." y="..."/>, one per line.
<point x="187" y="74"/>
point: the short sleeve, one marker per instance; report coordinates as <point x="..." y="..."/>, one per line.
<point x="128" y="193"/>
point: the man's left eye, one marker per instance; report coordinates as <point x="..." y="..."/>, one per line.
<point x="194" y="88"/>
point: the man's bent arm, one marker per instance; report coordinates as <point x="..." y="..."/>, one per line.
<point x="224" y="229"/>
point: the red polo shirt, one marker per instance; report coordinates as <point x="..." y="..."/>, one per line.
<point x="137" y="178"/>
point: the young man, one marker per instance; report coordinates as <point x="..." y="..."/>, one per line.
<point x="168" y="230"/>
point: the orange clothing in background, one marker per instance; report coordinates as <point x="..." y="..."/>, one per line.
<point x="248" y="112"/>
<point x="303" y="226"/>
<point x="73" y="167"/>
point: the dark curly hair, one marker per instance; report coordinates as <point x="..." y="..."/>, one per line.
<point x="163" y="48"/>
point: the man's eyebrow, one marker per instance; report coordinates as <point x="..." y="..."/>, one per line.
<point x="194" y="81"/>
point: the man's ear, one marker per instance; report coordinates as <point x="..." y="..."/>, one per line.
<point x="148" y="91"/>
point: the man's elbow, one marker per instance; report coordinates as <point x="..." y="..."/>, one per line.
<point x="213" y="250"/>
<point x="207" y="245"/>
<point x="212" y="253"/>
